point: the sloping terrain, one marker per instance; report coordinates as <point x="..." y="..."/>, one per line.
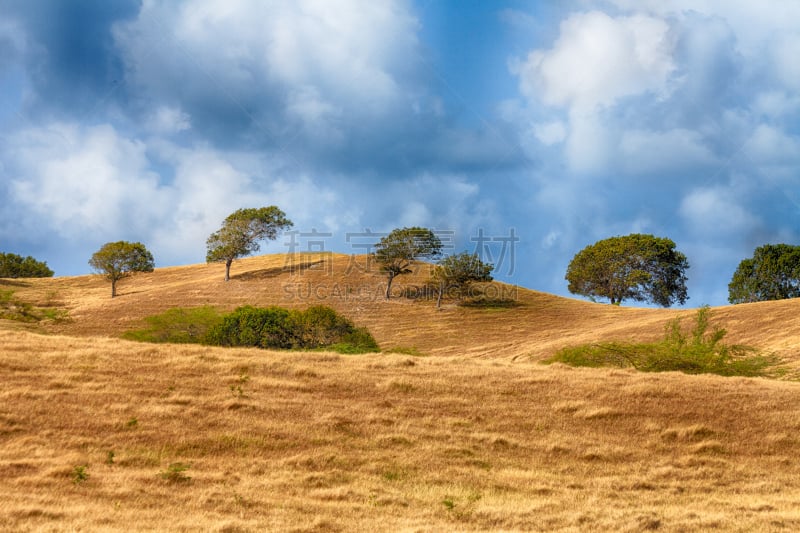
<point x="534" y="327"/>
<point x="98" y="433"/>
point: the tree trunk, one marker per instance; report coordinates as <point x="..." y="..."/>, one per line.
<point x="439" y="297"/>
<point x="228" y="264"/>
<point x="389" y="286"/>
<point x="113" y="288"/>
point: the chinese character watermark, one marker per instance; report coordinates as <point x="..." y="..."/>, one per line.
<point x="298" y="259"/>
<point x="486" y="248"/>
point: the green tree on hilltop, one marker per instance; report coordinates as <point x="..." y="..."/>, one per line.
<point x="118" y="260"/>
<point x="635" y="267"/>
<point x="241" y="233"/>
<point x="458" y="272"/>
<point x="397" y="251"/>
<point x="773" y="273"/>
<point x="16" y="266"/>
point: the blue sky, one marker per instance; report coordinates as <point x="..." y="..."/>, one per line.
<point x="562" y="122"/>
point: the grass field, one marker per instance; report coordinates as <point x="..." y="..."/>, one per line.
<point x="456" y="426"/>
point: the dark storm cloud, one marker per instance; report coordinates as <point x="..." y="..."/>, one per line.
<point x="71" y="58"/>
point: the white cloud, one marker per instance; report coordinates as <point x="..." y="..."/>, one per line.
<point x="551" y="239"/>
<point x="167" y="119"/>
<point x="754" y="23"/>
<point x="770" y="145"/>
<point x="786" y="50"/>
<point x="82" y="182"/>
<point x="550" y="133"/>
<point x="597" y="60"/>
<point x="590" y="143"/>
<point x="209" y="184"/>
<point x="652" y="152"/>
<point x="714" y="211"/>
<point x="439" y="201"/>
<point x="317" y="56"/>
<point x="776" y="104"/>
<point x="93" y="184"/>
<point x="317" y="116"/>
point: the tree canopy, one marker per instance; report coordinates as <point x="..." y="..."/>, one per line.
<point x="16" y="266"/>
<point x="635" y="267"/>
<point x="118" y="260"/>
<point x="241" y="233"/>
<point x="773" y="273"/>
<point x="397" y="251"/>
<point x="458" y="272"/>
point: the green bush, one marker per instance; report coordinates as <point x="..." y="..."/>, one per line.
<point x="275" y="327"/>
<point x="320" y="326"/>
<point x="698" y="351"/>
<point x="270" y="327"/>
<point x="357" y="341"/>
<point x="177" y="325"/>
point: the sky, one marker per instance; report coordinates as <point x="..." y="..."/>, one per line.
<point x="521" y="130"/>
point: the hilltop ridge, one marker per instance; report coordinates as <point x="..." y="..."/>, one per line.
<point x="533" y="327"/>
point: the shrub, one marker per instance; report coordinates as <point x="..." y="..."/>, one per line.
<point x="177" y="325"/>
<point x="698" y="351"/>
<point x="269" y="327"/>
<point x="357" y="341"/>
<point x="320" y="326"/>
<point x="275" y="327"/>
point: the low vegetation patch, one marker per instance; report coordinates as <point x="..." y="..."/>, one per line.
<point x="13" y="308"/>
<point x="698" y="351"/>
<point x="489" y="302"/>
<point x="406" y="350"/>
<point x="177" y="325"/>
<point x="175" y="473"/>
<point x="318" y="327"/>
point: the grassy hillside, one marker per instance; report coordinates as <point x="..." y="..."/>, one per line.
<point x="97" y="433"/>
<point x="534" y="328"/>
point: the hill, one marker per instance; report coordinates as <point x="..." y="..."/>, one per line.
<point x="533" y="327"/>
<point x="97" y="433"/>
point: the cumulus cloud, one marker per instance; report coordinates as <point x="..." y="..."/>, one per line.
<point x="713" y="211"/>
<point x="90" y="185"/>
<point x="550" y="132"/>
<point x="599" y="59"/>
<point x="168" y="119"/>
<point x="674" y="151"/>
<point x="83" y="181"/>
<point x="282" y="71"/>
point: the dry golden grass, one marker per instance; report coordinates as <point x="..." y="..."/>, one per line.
<point x="477" y="436"/>
<point x="539" y="325"/>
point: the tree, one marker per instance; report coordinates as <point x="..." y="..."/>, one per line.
<point x="16" y="266"/>
<point x="118" y="260"/>
<point x="636" y="267"/>
<point x="773" y="273"/>
<point x="397" y="251"/>
<point x="241" y="232"/>
<point x="458" y="272"/>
